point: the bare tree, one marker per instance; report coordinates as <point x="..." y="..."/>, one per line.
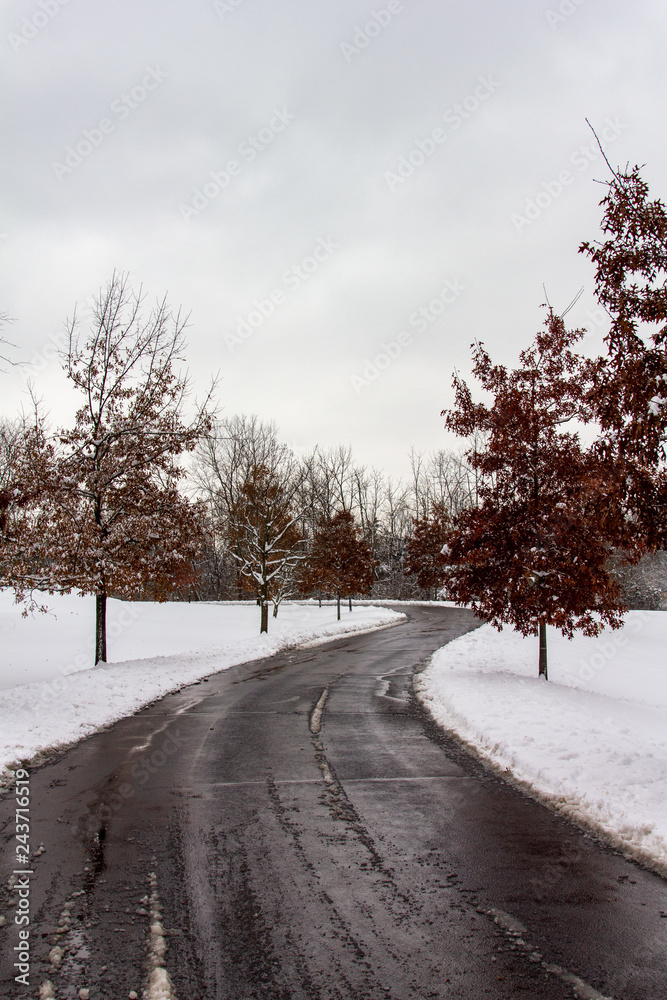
<point x="390" y="543"/>
<point x="328" y="485"/>
<point x="444" y="479"/>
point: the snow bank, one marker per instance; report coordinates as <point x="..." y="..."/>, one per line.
<point x="50" y="696"/>
<point x="591" y="742"/>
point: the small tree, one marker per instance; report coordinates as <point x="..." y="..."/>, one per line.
<point x="262" y="531"/>
<point x="284" y="586"/>
<point x="425" y="551"/>
<point x="20" y="465"/>
<point x="533" y="551"/>
<point x="340" y="561"/>
<point x="108" y="517"/>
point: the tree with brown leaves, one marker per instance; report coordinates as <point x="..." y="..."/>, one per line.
<point x="340" y="561"/>
<point x="425" y="557"/>
<point x="108" y="517"/>
<point x="629" y="394"/>
<point x="533" y="552"/>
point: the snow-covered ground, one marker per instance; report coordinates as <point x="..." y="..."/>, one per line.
<point x="50" y="695"/>
<point x="592" y="741"/>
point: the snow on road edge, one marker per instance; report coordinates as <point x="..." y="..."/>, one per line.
<point x="596" y="759"/>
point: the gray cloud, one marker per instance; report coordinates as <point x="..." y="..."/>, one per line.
<point x="155" y="101"/>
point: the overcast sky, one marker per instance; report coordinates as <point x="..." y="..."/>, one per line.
<point x="343" y="193"/>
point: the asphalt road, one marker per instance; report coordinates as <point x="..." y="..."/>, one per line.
<point x="297" y="828"/>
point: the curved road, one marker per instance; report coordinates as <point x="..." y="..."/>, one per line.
<point x="297" y="828"/>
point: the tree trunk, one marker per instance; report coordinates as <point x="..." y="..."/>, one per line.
<point x="100" y="628"/>
<point x="349" y="601"/>
<point x="543" y="651"/>
<point x="319" y="598"/>
<point x="264" y="594"/>
<point x="275" y="610"/>
<point x="338" y="604"/>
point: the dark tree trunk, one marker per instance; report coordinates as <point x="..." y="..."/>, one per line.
<point x="543" y="651"/>
<point x="264" y="595"/>
<point x="338" y="604"/>
<point x="349" y="601"/>
<point x="100" y="628"/>
<point x="319" y="598"/>
<point x="275" y="610"/>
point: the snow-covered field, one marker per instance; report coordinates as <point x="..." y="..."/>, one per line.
<point x="50" y="695"/>
<point x="592" y="741"/>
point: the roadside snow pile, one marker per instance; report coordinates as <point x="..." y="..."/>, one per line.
<point x="50" y="695"/>
<point x="592" y="741"/>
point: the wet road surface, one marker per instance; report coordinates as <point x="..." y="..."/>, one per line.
<point x="297" y="828"/>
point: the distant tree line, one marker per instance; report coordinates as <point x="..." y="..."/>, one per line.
<point x="273" y="517"/>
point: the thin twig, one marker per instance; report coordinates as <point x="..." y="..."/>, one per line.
<point x="572" y="303"/>
<point x="602" y="151"/>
